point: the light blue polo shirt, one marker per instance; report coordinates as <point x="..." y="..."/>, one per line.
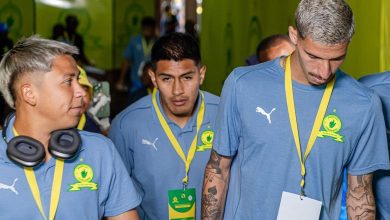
<point x="380" y="83"/>
<point x="253" y="127"/>
<point x="114" y="195"/>
<point x="151" y="159"/>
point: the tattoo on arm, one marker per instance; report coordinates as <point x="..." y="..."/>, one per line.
<point x="360" y="198"/>
<point x="215" y="186"/>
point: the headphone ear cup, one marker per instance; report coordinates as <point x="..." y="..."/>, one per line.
<point x="64" y="143"/>
<point x="25" y="151"/>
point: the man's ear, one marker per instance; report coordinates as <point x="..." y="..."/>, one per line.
<point x="152" y="76"/>
<point x="293" y="34"/>
<point x="202" y="73"/>
<point x="27" y="94"/>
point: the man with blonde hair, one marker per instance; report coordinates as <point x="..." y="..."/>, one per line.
<point x="48" y="169"/>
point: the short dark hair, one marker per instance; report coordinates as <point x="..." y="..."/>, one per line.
<point x="148" y="22"/>
<point x="271" y="41"/>
<point x="175" y="46"/>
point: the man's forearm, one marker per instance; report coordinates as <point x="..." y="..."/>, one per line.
<point x="360" y="198"/>
<point x="215" y="186"/>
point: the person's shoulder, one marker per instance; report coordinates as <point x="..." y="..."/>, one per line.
<point x="136" y="110"/>
<point x="378" y="79"/>
<point x="348" y="83"/>
<point x="100" y="143"/>
<point x="210" y="99"/>
<point x="258" y="71"/>
<point x="354" y="90"/>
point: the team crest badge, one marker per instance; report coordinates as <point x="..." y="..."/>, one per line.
<point x="83" y="173"/>
<point x="207" y="141"/>
<point x="332" y="125"/>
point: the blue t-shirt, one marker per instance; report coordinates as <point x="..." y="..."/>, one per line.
<point x="380" y="83"/>
<point x="115" y="193"/>
<point x="134" y="53"/>
<point x="150" y="157"/>
<point x="253" y="126"/>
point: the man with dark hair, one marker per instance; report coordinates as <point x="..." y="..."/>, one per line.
<point x="136" y="53"/>
<point x="380" y="83"/>
<point x="48" y="169"/>
<point x="287" y="129"/>
<point x="270" y="48"/>
<point x="165" y="138"/>
<point x="274" y="46"/>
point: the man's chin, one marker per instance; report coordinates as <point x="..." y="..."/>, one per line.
<point x="182" y="114"/>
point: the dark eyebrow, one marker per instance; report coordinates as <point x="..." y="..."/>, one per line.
<point x="187" y="73"/>
<point x="317" y="57"/>
<point x="181" y="75"/>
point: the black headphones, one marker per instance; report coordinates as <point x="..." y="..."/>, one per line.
<point x="29" y="152"/>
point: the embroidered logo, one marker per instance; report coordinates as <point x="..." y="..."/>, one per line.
<point x="83" y="173"/>
<point x="332" y="125"/>
<point x="152" y="144"/>
<point x="11" y="187"/>
<point x="207" y="141"/>
<point x="267" y="115"/>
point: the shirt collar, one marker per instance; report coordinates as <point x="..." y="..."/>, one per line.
<point x="191" y="124"/>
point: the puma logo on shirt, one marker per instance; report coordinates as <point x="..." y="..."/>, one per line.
<point x="11" y="187"/>
<point x="267" y="115"/>
<point x="152" y="144"/>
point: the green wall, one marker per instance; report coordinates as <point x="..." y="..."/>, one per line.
<point x="127" y="21"/>
<point x="18" y="14"/>
<point x="95" y="25"/>
<point x="106" y="25"/>
<point x="232" y="29"/>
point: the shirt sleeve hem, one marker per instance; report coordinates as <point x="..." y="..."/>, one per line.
<point x="226" y="153"/>
<point x="358" y="172"/>
<point x="124" y="208"/>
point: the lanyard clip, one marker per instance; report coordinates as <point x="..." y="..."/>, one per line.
<point x="302" y="194"/>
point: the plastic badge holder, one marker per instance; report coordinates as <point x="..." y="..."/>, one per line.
<point x="101" y="89"/>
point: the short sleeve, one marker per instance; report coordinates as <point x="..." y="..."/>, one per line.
<point x="122" y="195"/>
<point x="371" y="150"/>
<point x="227" y="127"/>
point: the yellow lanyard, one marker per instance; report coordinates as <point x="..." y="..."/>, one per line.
<point x="293" y="120"/>
<point x="55" y="190"/>
<point x="172" y="138"/>
<point x="82" y="122"/>
<point x="147" y="48"/>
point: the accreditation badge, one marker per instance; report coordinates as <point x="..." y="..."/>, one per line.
<point x="297" y="207"/>
<point x="181" y="204"/>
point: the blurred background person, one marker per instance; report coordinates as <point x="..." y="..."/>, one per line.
<point x="137" y="52"/>
<point x="147" y="84"/>
<point x="72" y="37"/>
<point x="270" y="48"/>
